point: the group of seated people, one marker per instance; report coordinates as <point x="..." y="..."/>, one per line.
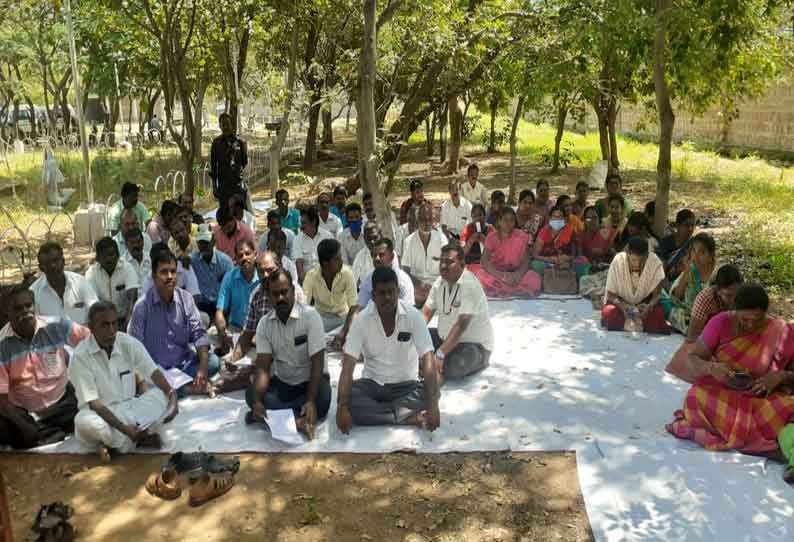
<point x="330" y="269"/>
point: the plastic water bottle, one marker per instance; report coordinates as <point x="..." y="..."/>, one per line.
<point x="633" y="324"/>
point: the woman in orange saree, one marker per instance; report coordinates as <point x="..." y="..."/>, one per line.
<point x="741" y="399"/>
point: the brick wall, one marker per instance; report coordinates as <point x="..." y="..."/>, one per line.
<point x="765" y="124"/>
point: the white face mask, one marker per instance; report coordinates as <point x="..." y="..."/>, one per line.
<point x="556" y="224"/>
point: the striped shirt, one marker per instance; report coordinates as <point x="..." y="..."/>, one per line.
<point x="167" y="330"/>
<point x="33" y="375"/>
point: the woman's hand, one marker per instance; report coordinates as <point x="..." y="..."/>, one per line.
<point x="722" y="373"/>
<point x="767" y="384"/>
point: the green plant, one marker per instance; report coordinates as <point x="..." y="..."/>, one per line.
<point x="470" y="125"/>
<point x="567" y="156"/>
<point x="501" y="135"/>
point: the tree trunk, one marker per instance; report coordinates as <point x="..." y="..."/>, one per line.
<point x="603" y="129"/>
<point x="612" y="115"/>
<point x="562" y="114"/>
<point x="45" y="87"/>
<point x="666" y="116"/>
<point x="492" y="136"/>
<point x="328" y="122"/>
<point x="347" y="117"/>
<point x="442" y="136"/>
<point x="511" y="198"/>
<point x="310" y="153"/>
<point x="430" y="134"/>
<point x="367" y="122"/>
<point x="455" y="133"/>
<point x="281" y="136"/>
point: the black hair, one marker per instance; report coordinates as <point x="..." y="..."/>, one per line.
<point x="383" y="275"/>
<point x="471" y="167"/>
<point x="416" y="184"/>
<point x="613" y="177"/>
<point x="526" y="193"/>
<point x="47" y="247"/>
<point x="11" y="292"/>
<point x="160" y="253"/>
<point x="223" y="116"/>
<point x="340" y="190"/>
<point x="100" y="306"/>
<point x="243" y="243"/>
<point x="637" y="246"/>
<point x="456" y="248"/>
<point x="541" y="183"/>
<point x="706" y="240"/>
<point x="559" y="208"/>
<point x="684" y="215"/>
<point x="128" y="189"/>
<point x="384" y="241"/>
<point x="594" y="209"/>
<point x="639" y="220"/>
<point x="650" y="208"/>
<point x="327" y="250"/>
<point x="497" y="195"/>
<point x="281" y="191"/>
<point x="276" y="234"/>
<point x="562" y="198"/>
<point x="580" y="184"/>
<point x="105" y="244"/>
<point x="169" y="207"/>
<point x="727" y="276"/>
<point x="367" y="196"/>
<point x="618" y="197"/>
<point x="311" y="214"/>
<point x="352" y="207"/>
<point x="281" y="272"/>
<point x="223" y="215"/>
<point x="507" y="211"/>
<point x="133" y="233"/>
<point x="273" y="214"/>
<point x="237" y="196"/>
<point x="751" y="296"/>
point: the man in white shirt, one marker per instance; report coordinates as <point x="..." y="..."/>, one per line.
<point x="59" y="293"/>
<point x="422" y="253"/>
<point x="455" y="213"/>
<point x="305" y="250"/>
<point x="464" y="337"/>
<point x="352" y="238"/>
<point x="277" y="243"/>
<point x="383" y="256"/>
<point x="129" y="221"/>
<point x="290" y="364"/>
<point x="390" y="337"/>
<point x="472" y="189"/>
<point x="362" y="264"/>
<point x="137" y="255"/>
<point x="107" y="372"/>
<point x="113" y="279"/>
<point x="274" y="224"/>
<point x="328" y="220"/>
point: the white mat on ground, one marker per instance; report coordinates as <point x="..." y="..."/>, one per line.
<point x="559" y="382"/>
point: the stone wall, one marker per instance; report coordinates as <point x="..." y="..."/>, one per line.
<point x="764" y="124"/>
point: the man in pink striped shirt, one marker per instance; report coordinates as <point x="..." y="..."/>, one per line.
<point x="37" y="404"/>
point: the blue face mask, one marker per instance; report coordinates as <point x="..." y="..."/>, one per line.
<point x="557" y="224"/>
<point x="355" y="226"/>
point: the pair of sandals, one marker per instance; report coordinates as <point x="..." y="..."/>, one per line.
<point x="210" y="477"/>
<point x="52" y="524"/>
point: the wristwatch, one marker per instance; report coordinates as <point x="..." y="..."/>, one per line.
<point x="439" y="355"/>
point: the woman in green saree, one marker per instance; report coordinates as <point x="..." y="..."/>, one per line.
<point x="701" y="264"/>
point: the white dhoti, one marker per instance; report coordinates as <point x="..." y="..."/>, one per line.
<point x="90" y="428"/>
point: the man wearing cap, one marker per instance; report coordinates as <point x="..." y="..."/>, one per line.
<point x="129" y="200"/>
<point x="210" y="266"/>
<point x="417" y="199"/>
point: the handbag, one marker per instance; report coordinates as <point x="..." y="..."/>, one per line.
<point x="557" y="281"/>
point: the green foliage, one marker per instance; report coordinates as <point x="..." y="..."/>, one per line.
<point x="501" y="134"/>
<point x="567" y="156"/>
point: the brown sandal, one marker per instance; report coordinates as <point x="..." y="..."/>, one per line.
<point x="209" y="487"/>
<point x="165" y="485"/>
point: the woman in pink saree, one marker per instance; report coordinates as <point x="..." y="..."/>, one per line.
<point x="505" y="269"/>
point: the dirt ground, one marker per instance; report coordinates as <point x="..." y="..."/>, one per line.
<point x="301" y="498"/>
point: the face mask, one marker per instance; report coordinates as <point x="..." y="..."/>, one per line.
<point x="355" y="226"/>
<point x="557" y="224"/>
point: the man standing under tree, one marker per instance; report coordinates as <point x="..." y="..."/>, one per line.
<point x="228" y="158"/>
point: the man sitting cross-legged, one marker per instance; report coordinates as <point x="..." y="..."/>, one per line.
<point x="390" y="336"/>
<point x="167" y="322"/>
<point x="383" y="256"/>
<point x="464" y="338"/>
<point x="107" y="371"/>
<point x="330" y="286"/>
<point x="37" y="404"/>
<point x="290" y="361"/>
<point x="421" y="253"/>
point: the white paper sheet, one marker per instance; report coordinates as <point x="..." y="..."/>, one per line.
<point x="177" y="378"/>
<point x="282" y="426"/>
